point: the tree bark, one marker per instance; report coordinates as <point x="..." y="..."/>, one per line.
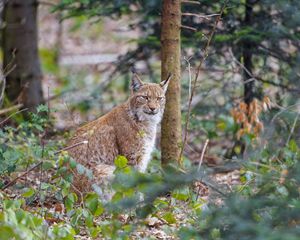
<point x="2" y="79"/>
<point x="20" y="48"/>
<point x="247" y="48"/>
<point x="171" y="139"/>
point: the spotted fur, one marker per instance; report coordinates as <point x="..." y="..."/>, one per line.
<point x="129" y="130"/>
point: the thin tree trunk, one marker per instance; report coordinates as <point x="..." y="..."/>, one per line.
<point x="20" y="48"/>
<point x="2" y="77"/>
<point x="249" y="84"/>
<point x="247" y="48"/>
<point x="170" y="56"/>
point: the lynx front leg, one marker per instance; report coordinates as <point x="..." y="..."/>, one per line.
<point x="146" y="156"/>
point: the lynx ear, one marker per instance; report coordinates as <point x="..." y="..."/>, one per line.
<point x="136" y="83"/>
<point x="164" y="84"/>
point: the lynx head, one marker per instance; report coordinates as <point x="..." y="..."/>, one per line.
<point x="147" y="100"/>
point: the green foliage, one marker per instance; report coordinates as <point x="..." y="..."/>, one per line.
<point x="13" y="151"/>
<point x="28" y="217"/>
<point x="15" y="223"/>
<point x="268" y="214"/>
<point x="264" y="206"/>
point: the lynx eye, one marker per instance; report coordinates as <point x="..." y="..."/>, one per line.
<point x="144" y="98"/>
<point x="160" y="98"/>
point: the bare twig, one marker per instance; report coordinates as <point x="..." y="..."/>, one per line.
<point x="47" y="3"/>
<point x="78" y="191"/>
<point x="48" y="103"/>
<point x="214" y="188"/>
<point x="200" y="16"/>
<point x="39" y="164"/>
<point x="7" y="70"/>
<point x="72" y="146"/>
<point x="70" y="113"/>
<point x="10" y="70"/>
<point x="246" y="184"/>
<point x="13" y="114"/>
<point x="283" y="109"/>
<point x="202" y="154"/>
<point x="190" y="2"/>
<point x="200" y="163"/>
<point x="2" y="89"/>
<point x="9" y="109"/>
<point x="218" y="19"/>
<point x="293" y="128"/>
<point x="188" y="27"/>
<point x="22" y="175"/>
<point x="256" y="78"/>
<point x="190" y="74"/>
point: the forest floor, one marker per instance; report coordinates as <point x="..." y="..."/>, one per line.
<point x="153" y="227"/>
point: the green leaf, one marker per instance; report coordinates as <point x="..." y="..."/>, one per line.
<point x="48" y="165"/>
<point x="89" y="221"/>
<point x="7" y="232"/>
<point x="293" y="145"/>
<point x="70" y="200"/>
<point x="62" y="170"/>
<point x="80" y="168"/>
<point x="39" y="127"/>
<point x="73" y="163"/>
<point x="92" y="203"/>
<point x="169" y="217"/>
<point x="42" y="108"/>
<point x="99" y="210"/>
<point x="180" y="196"/>
<point x="215" y="233"/>
<point x="89" y="173"/>
<point x="28" y="193"/>
<point x="121" y="162"/>
<point x="144" y="211"/>
<point x="94" y="231"/>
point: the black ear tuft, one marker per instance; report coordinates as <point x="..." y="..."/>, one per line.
<point x="136" y="82"/>
<point x="164" y="84"/>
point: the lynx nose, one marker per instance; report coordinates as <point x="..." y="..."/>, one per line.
<point x="152" y="109"/>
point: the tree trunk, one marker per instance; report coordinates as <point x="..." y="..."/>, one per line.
<point x="170" y="64"/>
<point x="247" y="48"/>
<point x="20" y="48"/>
<point x="2" y="79"/>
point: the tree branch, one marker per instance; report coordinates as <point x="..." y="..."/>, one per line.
<point x="190" y="28"/>
<point x="7" y="70"/>
<point x="206" y="49"/>
<point x="200" y="16"/>
<point x="256" y="78"/>
<point x="202" y="154"/>
<point x="13" y="114"/>
<point x="190" y="2"/>
<point x="22" y="175"/>
<point x="9" y="109"/>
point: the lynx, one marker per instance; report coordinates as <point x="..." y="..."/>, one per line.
<point x="129" y="130"/>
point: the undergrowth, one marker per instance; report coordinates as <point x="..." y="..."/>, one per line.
<point x="41" y="203"/>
